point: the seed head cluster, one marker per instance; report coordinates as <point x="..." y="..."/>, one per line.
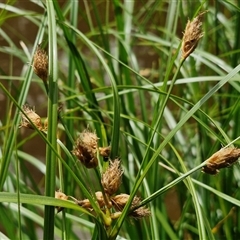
<point x="117" y="202"/>
<point x="111" y="181"/>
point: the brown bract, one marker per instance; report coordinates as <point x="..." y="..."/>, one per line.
<point x="192" y="34"/>
<point x="225" y="157"/>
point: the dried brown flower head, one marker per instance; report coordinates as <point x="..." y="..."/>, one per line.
<point x="60" y="195"/>
<point x="225" y="157"/>
<point x="35" y="118"/>
<point x="86" y="149"/>
<point x="119" y="202"/>
<point x="192" y="34"/>
<point x="112" y="178"/>
<point x="105" y="151"/>
<point x="40" y="63"/>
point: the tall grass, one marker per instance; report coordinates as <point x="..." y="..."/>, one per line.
<point x="115" y="69"/>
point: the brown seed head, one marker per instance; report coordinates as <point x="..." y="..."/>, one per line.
<point x="40" y="64"/>
<point x="192" y="34"/>
<point x="36" y="120"/>
<point x="225" y="157"/>
<point x="86" y="149"/>
<point x="112" y="178"/>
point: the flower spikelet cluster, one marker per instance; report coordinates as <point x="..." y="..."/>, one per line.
<point x="111" y="181"/>
<point x="118" y="202"/>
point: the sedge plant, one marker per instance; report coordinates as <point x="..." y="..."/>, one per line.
<point x="130" y="110"/>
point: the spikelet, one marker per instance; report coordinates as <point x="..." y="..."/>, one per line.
<point x="40" y="64"/>
<point x="119" y="202"/>
<point x="85" y="203"/>
<point x="225" y="157"/>
<point x="86" y="149"/>
<point x="192" y="34"/>
<point x="60" y="195"/>
<point x="104" y="151"/>
<point x="35" y="118"/>
<point x="112" y="177"/>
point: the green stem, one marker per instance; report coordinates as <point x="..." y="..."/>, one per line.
<point x="50" y="178"/>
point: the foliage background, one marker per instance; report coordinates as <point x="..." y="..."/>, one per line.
<point x="111" y="64"/>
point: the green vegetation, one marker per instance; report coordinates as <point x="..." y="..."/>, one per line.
<point x="115" y="69"/>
